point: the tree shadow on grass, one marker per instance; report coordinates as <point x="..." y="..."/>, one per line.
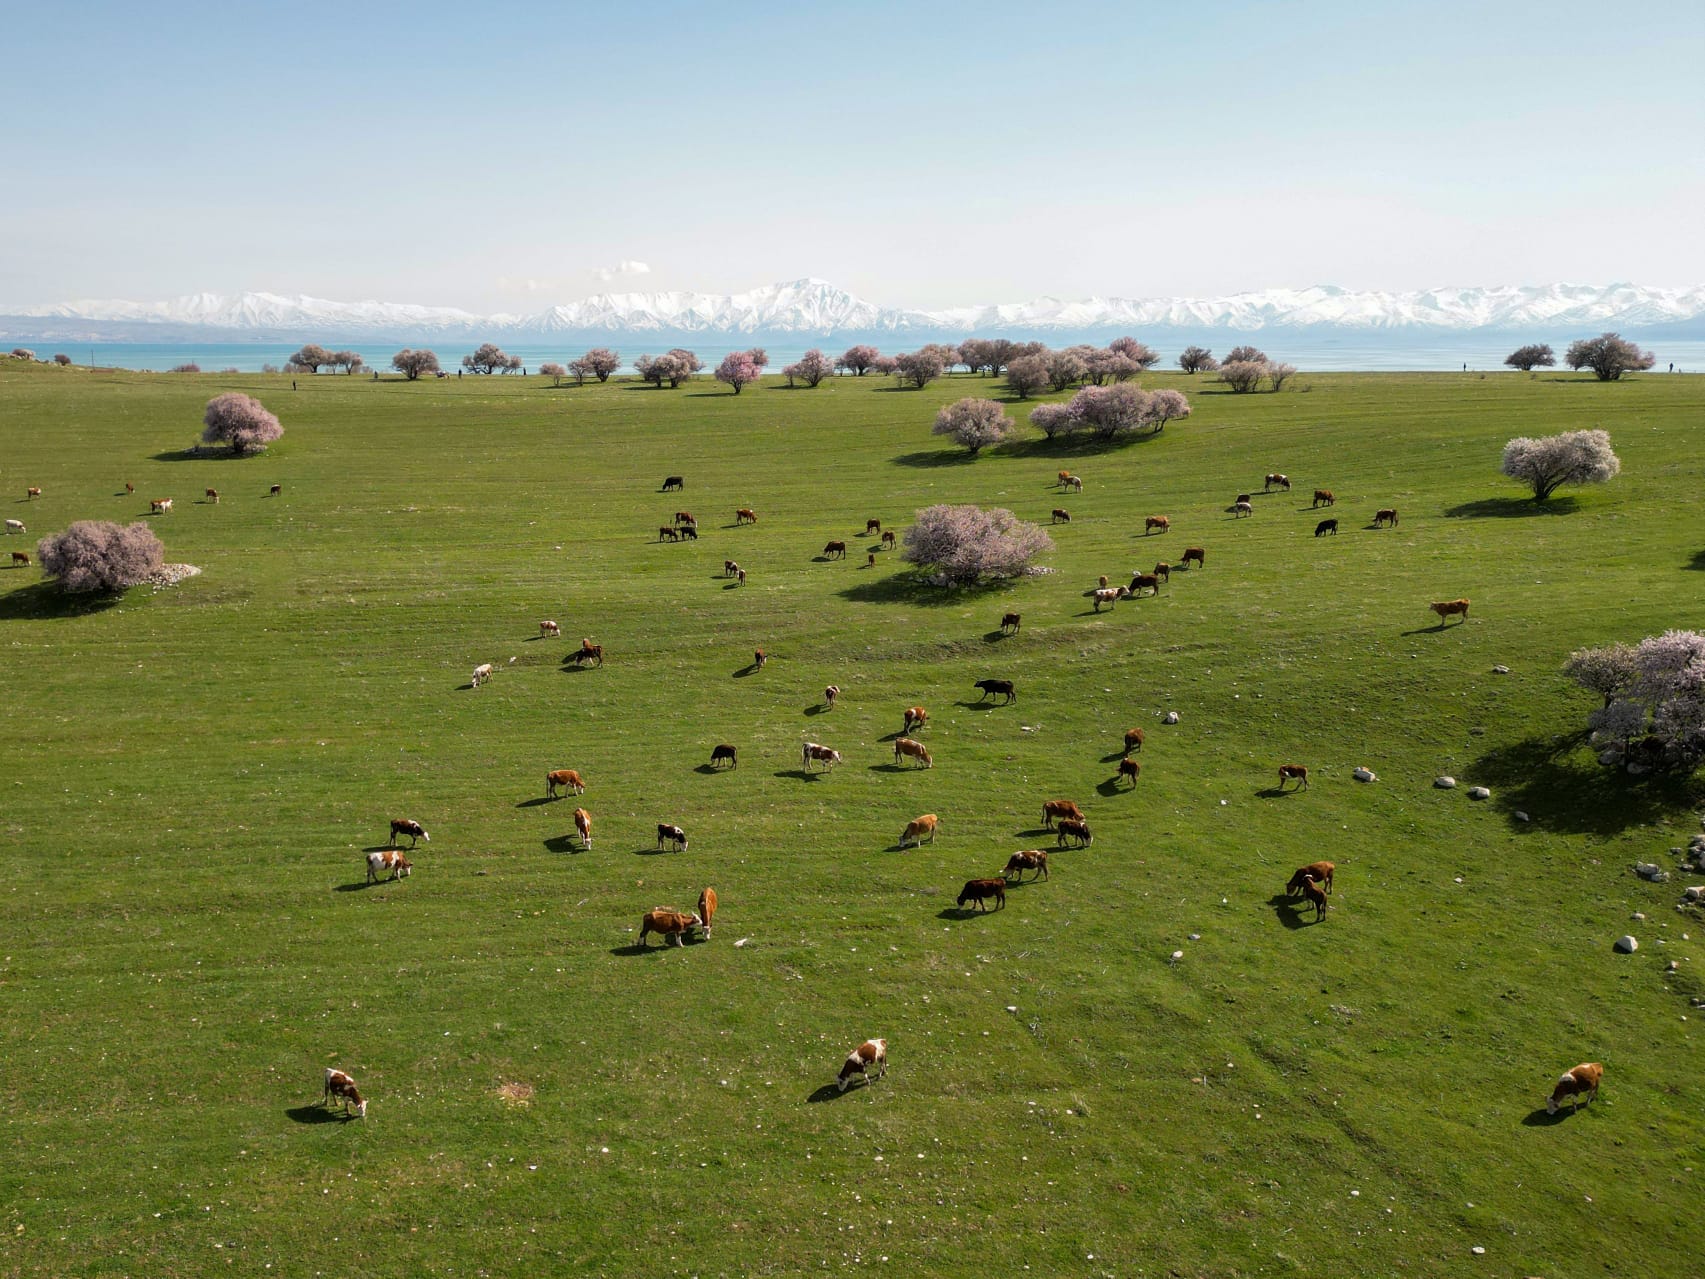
<point x="930" y="458"/>
<point x="1289" y="911"/>
<point x="909" y="588"/>
<point x="43" y="600"/>
<point x="318" y="1114"/>
<point x="1508" y="507"/>
<point x="1563" y="787"/>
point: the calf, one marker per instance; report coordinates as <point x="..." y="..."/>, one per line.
<point x="1061" y="479"/>
<point x="872" y="526"/>
<point x="673" y="834"/>
<point x="588" y="652"/>
<point x="1059" y="808"/>
<point x="888" y="539"/>
<point x="811" y="753"/>
<point x="482" y="673"/>
<point x="670" y="924"/>
<point x="723" y="752"/>
<point x="905" y="746"/>
<point x="729" y="568"/>
<point x="1325" y="527"/>
<point x="549" y="628"/>
<point x="707" y="910"/>
<point x="1195" y="554"/>
<point x="1242" y="497"/>
<point x="979" y="890"/>
<point x="831" y="694"/>
<point x="131" y="488"/>
<point x="31" y="493"/>
<point x="918" y="827"/>
<point x="342" y="1086"/>
<point x="1130" y="768"/>
<point x="1450" y="608"/>
<point x="16" y="526"/>
<point x="1032" y="859"/>
<point x="1573" y="1084"/>
<point x="760" y="659"/>
<point x="916" y="717"/>
<point x="673" y="483"/>
<point x="1010" y="622"/>
<point x="1078" y="831"/>
<point x="1385" y="515"/>
<point x="273" y="492"/>
<point x="1275" y="480"/>
<point x="20" y="557"/>
<point x="1153" y="522"/>
<point x="1133" y="740"/>
<point x="1296" y="772"/>
<point x="566" y="778"/>
<point x="1320" y="872"/>
<point x="1163" y="571"/>
<point x="1315" y="898"/>
<point x="390" y="860"/>
<point x="1141" y="582"/>
<point x="212" y="495"/>
<point x="666" y="533"/>
<point x="996" y="688"/>
<point x="1111" y="596"/>
<point x="1243" y="508"/>
<point x="745" y="515"/>
<point x="872" y="1052"/>
<point x="835" y="550"/>
<point x="740" y="576"/>
<point x="1323" y="497"/>
<point x="583" y="827"/>
<point x="407" y="826"/>
<point x="1074" y="484"/>
<point x="1062" y="516"/>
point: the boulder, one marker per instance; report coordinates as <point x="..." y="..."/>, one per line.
<point x="1500" y="669"/>
<point x="1652" y="871"/>
<point x="1365" y="775"/>
<point x="1521" y="816"/>
<point x="1445" y="783"/>
<point x="1479" y="792"/>
<point x="1627" y="945"/>
<point x="1695" y="893"/>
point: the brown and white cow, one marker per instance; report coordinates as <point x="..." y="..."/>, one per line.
<point x="1293" y="772"/>
<point x="390" y="860"/>
<point x="343" y="1086"/>
<point x="729" y="568"/>
<point x="1196" y="554"/>
<point x="905" y="746"/>
<point x="1011" y="622"/>
<point x="811" y="753"/>
<point x="918" y="827"/>
<point x="916" y="717"/>
<point x="872" y="1052"/>
<point x="566" y="778"/>
<point x="1061" y="478"/>
<point x="723" y="752"/>
<point x="1163" y="571"/>
<point x="583" y="826"/>
<point x="684" y="517"/>
<point x="408" y="826"/>
<point x="745" y="515"/>
<point x="587" y="652"/>
<point x="1110" y="596"/>
<point x="979" y="890"/>
<point x="1153" y="522"/>
<point x="1028" y="859"/>
<point x="1053" y="809"/>
<point x="1130" y="768"/>
<point x="760" y="659"/>
<point x="1242" y="497"/>
<point x="1277" y="481"/>
<point x="831" y="695"/>
<point x="1074" y="483"/>
<point x="32" y="492"/>
<point x="1062" y="516"/>
<point x="1240" y="509"/>
<point x="159" y="505"/>
<point x="1074" y="830"/>
<point x="1577" y="1081"/>
<point x="673" y="835"/>
<point x="482" y="673"/>
<point x="740" y="576"/>
<point x="707" y="910"/>
<point x="1450" y="608"/>
<point x="835" y="550"/>
<point x="1133" y="740"/>
<point x="273" y="492"/>
<point x="549" y="628"/>
<point x="1323" y="497"/>
<point x="666" y="923"/>
<point x="212" y="495"/>
<point x="1320" y="872"/>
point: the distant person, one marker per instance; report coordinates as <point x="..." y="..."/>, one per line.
<point x="1465" y="366"/>
<point x="292" y="384"/>
<point x="1672" y="366"/>
<point x="458" y="375"/>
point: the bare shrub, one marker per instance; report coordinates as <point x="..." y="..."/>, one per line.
<point x="1246" y="355"/>
<point x="184" y="368"/>
<point x="1534" y="356"/>
<point x="62" y="359"/>
<point x="1279" y="374"/>
<point x="240" y="421"/>
<point x="1547" y="463"/>
<point x="965" y="544"/>
<point x="98" y="555"/>
<point x="1197" y="359"/>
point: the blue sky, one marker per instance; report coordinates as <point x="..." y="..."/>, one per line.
<point x="506" y="156"/>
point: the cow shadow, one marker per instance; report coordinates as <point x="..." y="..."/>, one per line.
<point x="892" y="737"/>
<point x="1697" y="563"/>
<point x="984" y="704"/>
<point x="891" y="768"/>
<point x="1112" y="786"/>
<point x="817" y="709"/>
<point x="750" y="668"/>
<point x="317" y="1114"/>
<point x="637" y="948"/>
<point x="463" y="688"/>
<point x="1274" y="792"/>
<point x="1289" y="910"/>
<point x="1542" y="1118"/>
<point x="386" y="848"/>
<point x="803" y="774"/>
<point x="958" y="913"/>
<point x="564" y="844"/>
<point x="996" y="636"/>
<point x="359" y="886"/>
<point x="571" y="667"/>
<point x="710" y="770"/>
<point x="1433" y="630"/>
<point x="731" y="586"/>
<point x="828" y="1092"/>
<point x="1114" y="757"/>
<point x="651" y="852"/>
<point x="1513" y="507"/>
<point x="540" y="800"/>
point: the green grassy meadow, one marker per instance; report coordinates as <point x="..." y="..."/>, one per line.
<point x="189" y="780"/>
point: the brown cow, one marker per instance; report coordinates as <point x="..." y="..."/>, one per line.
<point x="979" y="890"/>
<point x="212" y="495"/>
<point x="684" y="517"/>
<point x="1297" y="772"/>
<point x="1077" y="830"/>
<point x="707" y="910"/>
<point x="1153" y="522"/>
<point x="870" y="560"/>
<point x="888" y="539"/>
<point x="20" y="557"/>
<point x="583" y="825"/>
<point x="1052" y="808"/>
<point x="916" y="717"/>
<point x="1133" y="740"/>
<point x="1450" y="608"/>
<point x="1060" y="482"/>
<point x="159" y="505"/>
<point x="872" y="526"/>
<point x="1584" y="1078"/>
<point x="760" y="659"/>
<point x="835" y="550"/>
<point x="1062" y="516"/>
<point x="588" y="652"/>
<point x="740" y="576"/>
<point x="905" y="746"/>
<point x="729" y="568"/>
<point x="872" y="1052"/>
<point x="1141" y="582"/>
<point x="1275" y="480"/>
<point x="31" y="493"/>
<point x="1320" y="872"/>
<point x="672" y="924"/>
<point x="1011" y="622"/>
<point x="566" y="778"/>
<point x="1029" y="859"/>
<point x="1074" y="484"/>
<point x="918" y="827"/>
<point x="1385" y="515"/>
<point x="1163" y="571"/>
<point x="1323" y="497"/>
<point x="724" y="752"/>
<point x="667" y="533"/>
<point x="1196" y="553"/>
<point x="1130" y="768"/>
<point x="745" y="515"/>
<point x="1311" y="892"/>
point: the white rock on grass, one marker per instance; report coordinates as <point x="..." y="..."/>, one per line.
<point x="1695" y="892"/>
<point x="1479" y="792"/>
<point x="1445" y="782"/>
<point x="1171" y="717"/>
<point x="1521" y="816"/>
<point x="1652" y="871"/>
<point x="1627" y="945"/>
<point x="1500" y="669"/>
<point x="1365" y="775"/>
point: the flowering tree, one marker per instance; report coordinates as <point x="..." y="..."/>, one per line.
<point x="488" y="359"/>
<point x="974" y="423"/>
<point x="1197" y="359"/>
<point x="1528" y="358"/>
<point x="1026" y="375"/>
<point x="884" y="365"/>
<point x="1111" y="366"/>
<point x="859" y="359"/>
<point x="1110" y="411"/>
<point x="669" y="368"/>
<point x="1608" y="356"/>
<point x="738" y="368"/>
<point x="348" y="361"/>
<point x="1654" y="691"/>
<point x="1065" y="368"/>
<point x="1278" y="374"/>
<point x="1243" y="376"/>
<point x="62" y="359"/>
<point x="964" y="544"/>
<point x="98" y="555"/>
<point x="1609" y="672"/>
<point x="1246" y="355"/>
<point x="977" y="354"/>
<point x="691" y="364"/>
<point x="240" y="421"/>
<point x="555" y="372"/>
<point x="1137" y="352"/>
<point x="810" y="369"/>
<point x="1163" y="406"/>
<point x="23" y="353"/>
<point x="1574" y="457"/>
<point x="1055" y="419"/>
<point x="600" y="362"/>
<point x="411" y="364"/>
<point x="919" y="368"/>
<point x="311" y="357"/>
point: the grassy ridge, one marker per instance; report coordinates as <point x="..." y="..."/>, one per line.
<point x="192" y="776"/>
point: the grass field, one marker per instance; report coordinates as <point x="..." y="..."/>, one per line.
<point x="189" y="779"/>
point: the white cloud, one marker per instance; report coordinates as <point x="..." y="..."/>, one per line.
<point x="625" y="267"/>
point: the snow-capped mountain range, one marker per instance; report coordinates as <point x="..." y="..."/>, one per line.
<point x="812" y="307"/>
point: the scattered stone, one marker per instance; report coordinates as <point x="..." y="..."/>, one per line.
<point x="1478" y="1251"/>
<point x="1521" y="816"/>
<point x="1195" y="936"/>
<point x="1479" y="792"/>
<point x="1609" y="757"/>
<point x="1365" y="775"/>
<point x="1638" y="915"/>
<point x="1695" y="892"/>
<point x="1671" y="967"/>
<point x="1652" y="871"/>
<point x="1627" y="945"/>
<point x="170" y="575"/>
<point x="1171" y="717"/>
<point x="1445" y="782"/>
<point x="1500" y="669"/>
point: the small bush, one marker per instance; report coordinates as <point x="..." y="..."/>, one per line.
<point x="184" y="368"/>
<point x="98" y="555"/>
<point x="240" y="421"/>
<point x="966" y="544"/>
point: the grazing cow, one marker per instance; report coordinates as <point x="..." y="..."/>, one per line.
<point x="888" y="539"/>
<point x="131" y="488"/>
<point x="1315" y="898"/>
<point x="549" y="628"/>
<point x="275" y="491"/>
<point x="1030" y="859"/>
<point x="1062" y="516"/>
<point x="740" y="576"/>
<point x="688" y="532"/>
<point x="835" y="550"/>
<point x="32" y="493"/>
<point x="1297" y="772"/>
<point x="1320" y="872"/>
<point x="16" y="526"/>
<point x="1064" y="477"/>
<point x="1074" y="830"/>
<point x="1385" y="515"/>
<point x="1243" y="508"/>
<point x="745" y="515"/>
<point x="1141" y="582"/>
<point x="589" y="652"/>
<point x="1325" y="527"/>
<point x="996" y="687"/>
<point x="917" y="828"/>
<point x="1111" y="596"/>
<point x="159" y="505"/>
<point x="1102" y="581"/>
<point x="1153" y="522"/>
<point x="566" y="778"/>
<point x="872" y="526"/>
<point x="408" y="826"/>
<point x="1010" y="622"/>
<point x="1130" y="768"/>
<point x="916" y="717"/>
<point x="1195" y="553"/>
<point x="872" y="1052"/>
<point x="672" y="483"/>
<point x="1059" y="808"/>
<point x="1133" y="740"/>
<point x="1163" y="571"/>
<point x="390" y="860"/>
<point x="811" y="753"/>
<point x="20" y="557"/>
<point x="979" y="890"/>
<point x="666" y="533"/>
<point x="729" y="568"/>
<point x="583" y="826"/>
<point x="707" y="910"/>
<point x="342" y="1086"/>
<point x="914" y="750"/>
<point x="684" y="517"/>
<point x="672" y="924"/>
<point x="1242" y="497"/>
<point x="674" y="834"/>
<point x="482" y="673"/>
<point x="760" y="659"/>
<point x="830" y="694"/>
<point x="212" y="495"/>
<point x="723" y="752"/>
<point x="1449" y="608"/>
<point x="1582" y="1079"/>
<point x="1323" y="497"/>
<point x="1074" y="484"/>
<point x="1275" y="480"/>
